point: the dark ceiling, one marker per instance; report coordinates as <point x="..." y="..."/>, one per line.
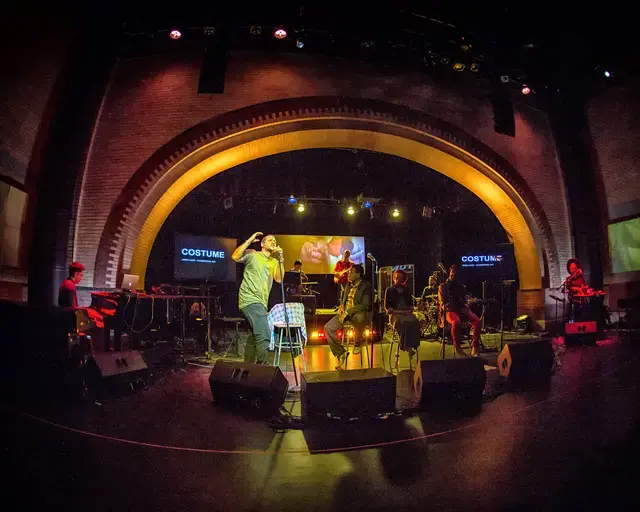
<point x="514" y="39"/>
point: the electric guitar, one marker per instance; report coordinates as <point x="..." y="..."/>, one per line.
<point x="337" y="276"/>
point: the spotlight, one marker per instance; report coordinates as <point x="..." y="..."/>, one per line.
<point x="458" y="66"/>
<point x="445" y="60"/>
<point x="526" y="90"/>
<point x="475" y="67"/>
<point x="280" y="33"/>
<point x="175" y="34"/>
<point x="301" y="207"/>
<point x="366" y="202"/>
<point x="255" y="30"/>
<point x="300" y="43"/>
<point x="351" y="210"/>
<point x="607" y="74"/>
<point x="292" y="199"/>
<point x="504" y="79"/>
<point x="209" y="31"/>
<point x="395" y="212"/>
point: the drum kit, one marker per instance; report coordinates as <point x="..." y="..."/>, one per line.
<point x="426" y="311"/>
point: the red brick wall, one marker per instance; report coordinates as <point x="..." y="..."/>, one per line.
<point x="152" y="100"/>
<point x="614" y="118"/>
<point x="28" y="78"/>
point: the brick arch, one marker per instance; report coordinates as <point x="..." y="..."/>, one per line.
<point x="361" y="123"/>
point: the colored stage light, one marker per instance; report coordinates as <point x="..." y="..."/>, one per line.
<point x="292" y="199"/>
<point x="300" y="43"/>
<point x="301" y="207"/>
<point x="395" y="212"/>
<point x="607" y="74"/>
<point x="526" y="90"/>
<point x="351" y="210"/>
<point x="279" y="33"/>
<point x="175" y="34"/>
<point x="459" y="66"/>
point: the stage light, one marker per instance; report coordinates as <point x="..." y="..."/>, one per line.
<point x="395" y="212"/>
<point x="475" y="67"/>
<point x="351" y="210"/>
<point x="526" y="90"/>
<point x="255" y="30"/>
<point x="458" y="66"/>
<point x="504" y="79"/>
<point x="301" y="208"/>
<point x="175" y="34"/>
<point x="209" y="31"/>
<point x="367" y="204"/>
<point x="280" y="33"/>
<point x="299" y="43"/>
<point x="607" y="74"/>
<point x="292" y="199"/>
<point x="445" y="60"/>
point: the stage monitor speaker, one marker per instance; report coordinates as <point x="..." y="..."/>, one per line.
<point x="580" y="333"/>
<point x="108" y="371"/>
<point x="450" y="384"/>
<point x="253" y="387"/>
<point x="503" y="119"/>
<point x="348" y="394"/>
<point x="527" y="362"/>
<point x="214" y="66"/>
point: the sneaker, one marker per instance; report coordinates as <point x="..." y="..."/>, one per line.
<point x="342" y="361"/>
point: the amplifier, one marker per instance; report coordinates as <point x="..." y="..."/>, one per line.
<point x="580" y="333"/>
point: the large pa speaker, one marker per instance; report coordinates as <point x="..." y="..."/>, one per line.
<point x="252" y="387"/>
<point x="111" y="371"/>
<point x="450" y="384"/>
<point x="525" y="363"/>
<point x="214" y="65"/>
<point x="348" y="394"/>
<point x="503" y="119"/>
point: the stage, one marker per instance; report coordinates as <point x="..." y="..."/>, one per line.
<point x="166" y="446"/>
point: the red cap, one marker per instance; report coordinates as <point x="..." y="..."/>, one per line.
<point x="76" y="266"/>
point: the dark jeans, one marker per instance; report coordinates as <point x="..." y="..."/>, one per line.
<point x="259" y="337"/>
<point x="331" y="328"/>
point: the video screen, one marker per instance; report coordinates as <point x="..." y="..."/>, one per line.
<point x="486" y="262"/>
<point x="319" y="253"/>
<point x="204" y="258"/>
<point x="624" y="246"/>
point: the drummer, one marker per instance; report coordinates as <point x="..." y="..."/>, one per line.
<point x="576" y="288"/>
<point x="430" y="291"/>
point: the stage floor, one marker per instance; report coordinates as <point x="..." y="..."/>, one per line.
<point x="166" y="447"/>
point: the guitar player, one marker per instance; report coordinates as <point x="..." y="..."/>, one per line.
<point x="341" y="273"/>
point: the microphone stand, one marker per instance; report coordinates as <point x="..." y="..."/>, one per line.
<point x="374" y="267"/>
<point x="444" y="314"/>
<point x="286" y="317"/>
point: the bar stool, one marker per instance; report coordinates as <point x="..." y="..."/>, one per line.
<point x="350" y="342"/>
<point x="282" y="341"/>
<point x="395" y="338"/>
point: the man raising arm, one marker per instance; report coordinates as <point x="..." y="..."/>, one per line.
<point x="260" y="270"/>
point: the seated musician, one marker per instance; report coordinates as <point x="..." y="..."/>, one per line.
<point x="68" y="298"/>
<point x="298" y="289"/>
<point x="398" y="303"/>
<point x="431" y="290"/>
<point x="576" y="284"/>
<point x="451" y="297"/>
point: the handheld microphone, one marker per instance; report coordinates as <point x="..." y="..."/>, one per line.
<point x="441" y="267"/>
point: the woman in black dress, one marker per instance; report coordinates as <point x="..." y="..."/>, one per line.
<point x="399" y="305"/>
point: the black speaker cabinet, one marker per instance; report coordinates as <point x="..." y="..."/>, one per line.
<point x="110" y="370"/>
<point x="348" y="394"/>
<point x="527" y="362"/>
<point x="581" y="333"/>
<point x="255" y="387"/>
<point x="450" y="384"/>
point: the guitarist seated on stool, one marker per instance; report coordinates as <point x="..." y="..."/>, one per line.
<point x="341" y="273"/>
<point x="451" y="297"/>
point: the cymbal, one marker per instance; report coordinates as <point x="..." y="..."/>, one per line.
<point x="309" y="282"/>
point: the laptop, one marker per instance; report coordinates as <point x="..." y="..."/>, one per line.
<point x="129" y="283"/>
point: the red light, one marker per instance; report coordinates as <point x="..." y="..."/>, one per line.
<point x="526" y="90"/>
<point x="175" y="34"/>
<point x="280" y="33"/>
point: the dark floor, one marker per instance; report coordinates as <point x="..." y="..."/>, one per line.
<point x="573" y="446"/>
